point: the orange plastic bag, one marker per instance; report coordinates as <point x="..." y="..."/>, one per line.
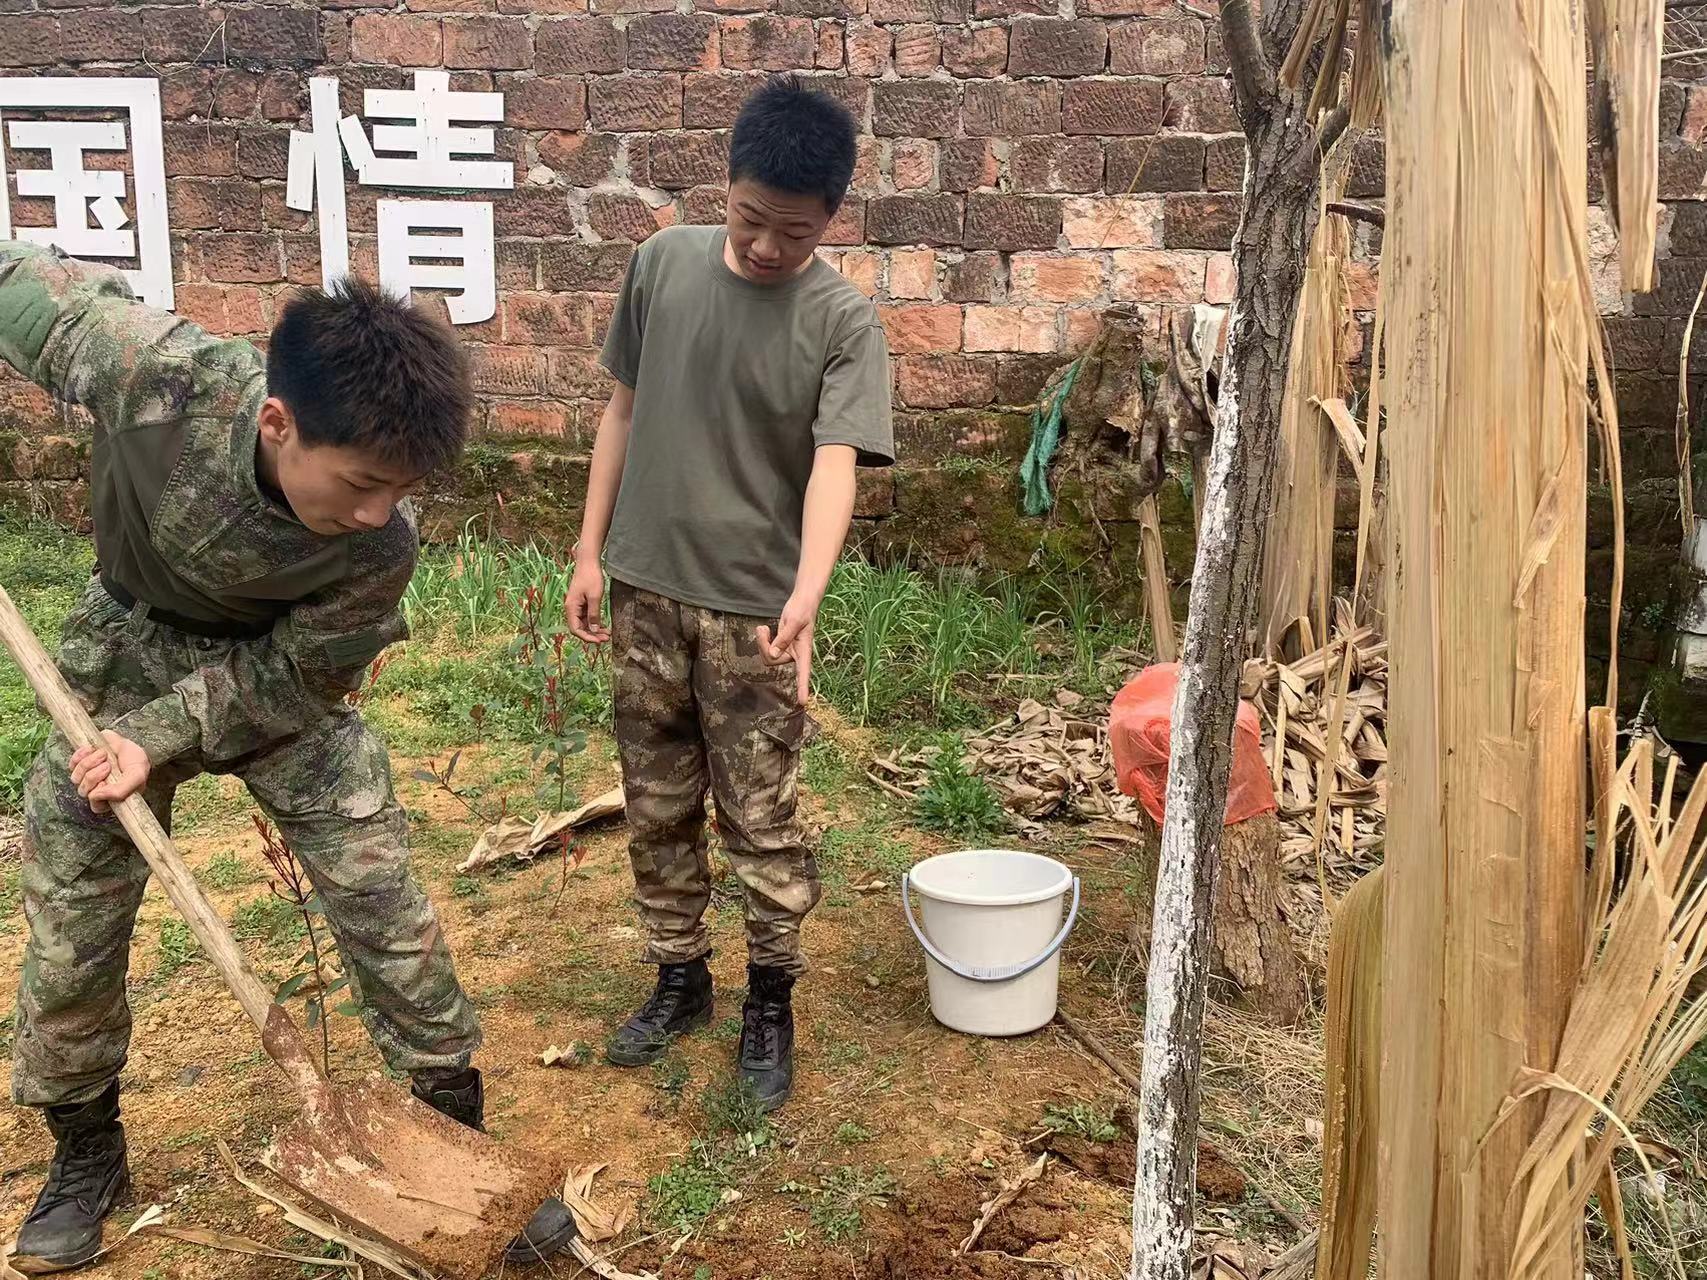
<point x="1139" y="725"/>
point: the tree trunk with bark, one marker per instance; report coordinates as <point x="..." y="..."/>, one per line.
<point x="1282" y="169"/>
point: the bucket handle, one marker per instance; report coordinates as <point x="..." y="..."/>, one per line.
<point x="987" y="973"/>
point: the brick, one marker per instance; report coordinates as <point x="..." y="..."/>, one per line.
<point x="672" y="42"/>
<point x="1110" y="222"/>
<point x="637" y="103"/>
<point x="397" y="39"/>
<point x="830" y="53"/>
<point x="703" y="206"/>
<point x="534" y="211"/>
<point x="620" y="217"/>
<point x="240" y="257"/>
<point x="1112" y="107"/>
<point x="211" y="204"/>
<point x="1168" y="48"/>
<point x="573" y="265"/>
<point x="1056" y="47"/>
<point x="938" y="11"/>
<point x="918" y="50"/>
<point x="275" y="216"/>
<point x="270" y="37"/>
<point x="578" y="46"/>
<point x="1009" y="8"/>
<point x="913" y="164"/>
<point x="859" y="267"/>
<point x="874" y="492"/>
<point x="488" y="43"/>
<point x="580" y="159"/>
<point x="966" y="164"/>
<point x="1368" y="177"/>
<point x="1056" y="164"/>
<point x="713" y="101"/>
<point x="675" y="162"/>
<point x="915" y="110"/>
<point x="848" y="224"/>
<point x="508" y="371"/>
<point x="188" y="91"/>
<point x="1155" y="164"/>
<point x="974" y="277"/>
<point x="1220" y="278"/>
<point x="1157" y="275"/>
<point x="920" y="330"/>
<point x="870" y="49"/>
<point x="632" y="6"/>
<point x="851" y="91"/>
<point x="1683" y="170"/>
<point x="1038" y="277"/>
<point x="868" y="162"/>
<point x="1200" y="222"/>
<point x="263" y="152"/>
<point x="202" y="303"/>
<point x="100" y="35"/>
<point x="247" y="310"/>
<point x="531" y="418"/>
<point x="169" y="35"/>
<point x="544" y="102"/>
<point x="1142" y="8"/>
<point x="975" y="52"/>
<point x="1224" y="166"/>
<point x="1011" y="329"/>
<point x="550" y="319"/>
<point x="235" y="94"/>
<point x="206" y="150"/>
<point x="945" y="381"/>
<point x="578" y="374"/>
<point x="912" y="273"/>
<point x="1201" y="104"/>
<point x="335" y="39"/>
<point x="1694" y="125"/>
<point x="1012" y="222"/>
<point x="1002" y="109"/>
<point x="768" y="44"/>
<point x="932" y="220"/>
<point x="28" y="40"/>
<point x="805" y="8"/>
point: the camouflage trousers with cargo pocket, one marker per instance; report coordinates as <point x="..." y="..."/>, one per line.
<point x="698" y="711"/>
<point x="327" y="790"/>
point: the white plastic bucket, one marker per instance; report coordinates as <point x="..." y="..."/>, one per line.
<point x="992" y="937"/>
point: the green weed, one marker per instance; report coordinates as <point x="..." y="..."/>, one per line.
<point x="268" y="919"/>
<point x="731" y="1107"/>
<point x="176" y="947"/>
<point x="956" y="801"/>
<point x="839" y="1197"/>
<point x="227" y="871"/>
<point x="1080" y="1120"/>
<point x="688" y="1193"/>
<point x="852" y="1135"/>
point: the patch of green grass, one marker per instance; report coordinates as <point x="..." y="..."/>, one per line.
<point x="727" y="1030"/>
<point x="195" y="1137"/>
<point x="1080" y="1120"/>
<point x="731" y="1107"/>
<point x="227" y="871"/>
<point x="467" y="887"/>
<point x="845" y="1053"/>
<point x="956" y="801"/>
<point x="268" y="919"/>
<point x="869" y="846"/>
<point x="825" y="768"/>
<point x="689" y="1192"/>
<point x="209" y="801"/>
<point x="841" y="1194"/>
<point x="175" y="948"/>
<point x="670" y="1076"/>
<point x="851" y="1134"/>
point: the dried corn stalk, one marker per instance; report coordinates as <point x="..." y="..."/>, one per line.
<point x="1297" y="580"/>
<point x="1486" y="147"/>
<point x="1626" y="36"/>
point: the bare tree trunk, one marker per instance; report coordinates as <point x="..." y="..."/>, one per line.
<point x="1282" y="167"/>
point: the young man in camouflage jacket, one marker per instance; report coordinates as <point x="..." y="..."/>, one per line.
<point x="253" y="545"/>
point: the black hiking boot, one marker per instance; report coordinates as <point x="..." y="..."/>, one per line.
<point x="678" y="1004"/>
<point x="85" y="1181"/>
<point x="766" y="1059"/>
<point x="462" y="1097"/>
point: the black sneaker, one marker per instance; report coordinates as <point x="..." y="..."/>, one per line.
<point x="678" y="1004"/>
<point x="766" y="1059"/>
<point x="462" y="1097"/>
<point x="86" y="1179"/>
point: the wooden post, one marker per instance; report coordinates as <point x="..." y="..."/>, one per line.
<point x="1487" y="348"/>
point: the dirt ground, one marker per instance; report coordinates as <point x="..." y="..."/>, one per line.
<point x="922" y="1124"/>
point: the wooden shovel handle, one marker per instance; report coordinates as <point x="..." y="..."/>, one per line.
<point x="139" y="821"/>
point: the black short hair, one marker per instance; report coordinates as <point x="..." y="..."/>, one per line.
<point x="363" y="368"/>
<point x="792" y="138"/>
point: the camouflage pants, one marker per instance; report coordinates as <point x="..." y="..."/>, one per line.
<point x="328" y="791"/>
<point x="697" y="711"/>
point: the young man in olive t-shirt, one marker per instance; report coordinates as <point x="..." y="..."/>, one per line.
<point x="752" y="379"/>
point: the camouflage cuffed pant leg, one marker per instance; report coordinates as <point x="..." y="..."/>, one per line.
<point x="329" y="792"/>
<point x="698" y="710"/>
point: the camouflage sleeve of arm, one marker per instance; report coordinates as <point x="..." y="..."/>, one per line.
<point x="75" y="329"/>
<point x="263" y="690"/>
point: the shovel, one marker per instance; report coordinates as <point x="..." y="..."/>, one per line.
<point x="443" y="1195"/>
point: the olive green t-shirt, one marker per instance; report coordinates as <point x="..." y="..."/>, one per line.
<point x="735" y="385"/>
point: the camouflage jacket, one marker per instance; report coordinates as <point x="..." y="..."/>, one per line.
<point x="180" y="520"/>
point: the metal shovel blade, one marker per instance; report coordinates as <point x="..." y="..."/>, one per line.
<point x="441" y="1194"/>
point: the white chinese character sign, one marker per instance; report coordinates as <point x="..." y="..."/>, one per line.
<point x="423" y="244"/>
<point x="93" y="215"/>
